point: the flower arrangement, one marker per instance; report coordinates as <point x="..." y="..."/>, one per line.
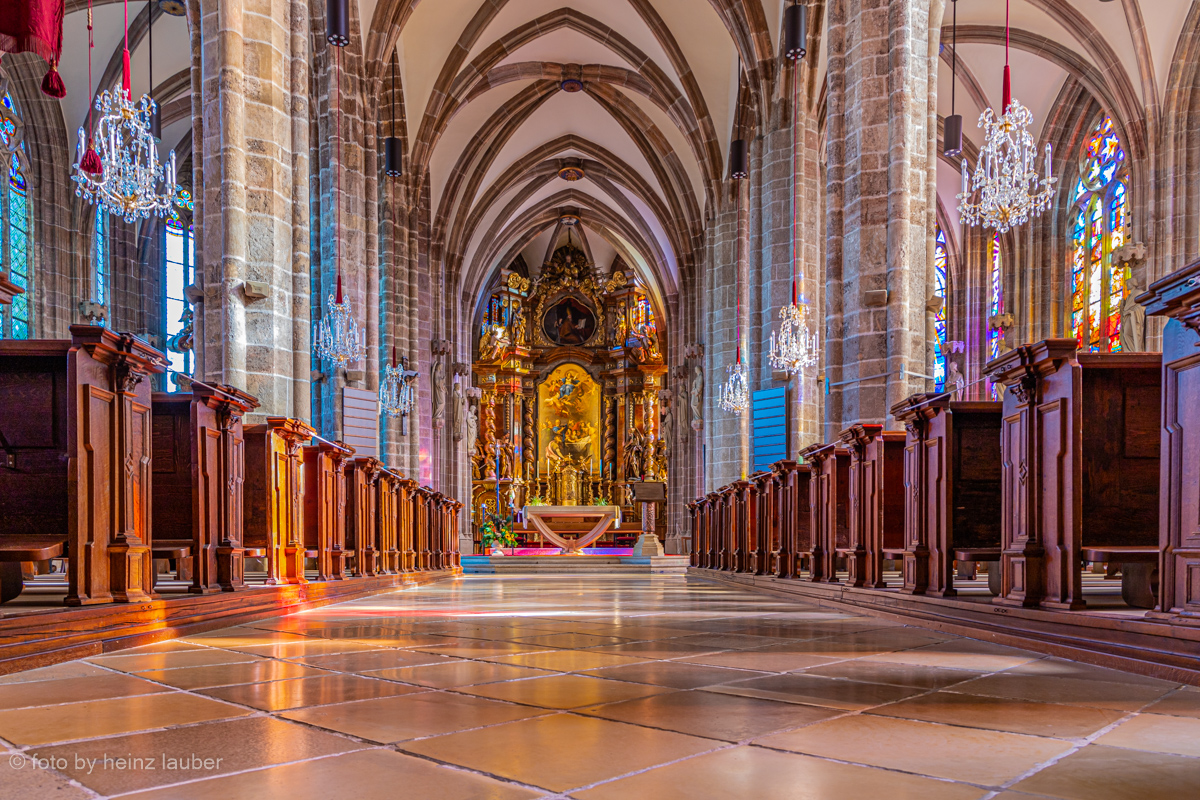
<point x="496" y="533"/>
<point x="535" y="501"/>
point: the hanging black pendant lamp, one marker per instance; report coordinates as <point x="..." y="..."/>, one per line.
<point x="795" y="32"/>
<point x="155" y="119"/>
<point x="952" y="128"/>
<point x="739" y="162"/>
<point x="337" y="22"/>
<point x="393" y="151"/>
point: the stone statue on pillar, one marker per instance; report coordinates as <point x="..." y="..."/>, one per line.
<point x="697" y="398"/>
<point x="437" y="386"/>
<point x="458" y="412"/>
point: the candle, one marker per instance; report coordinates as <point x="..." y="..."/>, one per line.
<point x="1049" y="161"/>
<point x="966" y="176"/>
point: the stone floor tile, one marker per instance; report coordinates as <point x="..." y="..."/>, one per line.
<point x="197" y="751"/>
<point x="560" y="752"/>
<point x="754" y="773"/>
<point x="1158" y="734"/>
<point x="1109" y="773"/>
<point x="941" y="751"/>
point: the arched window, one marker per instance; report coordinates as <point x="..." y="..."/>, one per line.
<point x="1100" y="220"/>
<point x="15" y="321"/>
<point x="995" y="302"/>
<point x="100" y="251"/>
<point x="179" y="261"/>
<point x="939" y="319"/>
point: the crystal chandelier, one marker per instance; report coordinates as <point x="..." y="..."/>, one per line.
<point x="397" y="390"/>
<point x="735" y="393"/>
<point x="128" y="181"/>
<point x="1006" y="190"/>
<point x="337" y="337"/>
<point x="795" y="348"/>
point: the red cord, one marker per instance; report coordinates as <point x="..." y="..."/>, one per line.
<point x="337" y="239"/>
<point x="796" y="185"/>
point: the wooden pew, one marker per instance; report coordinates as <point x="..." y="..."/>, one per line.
<point x="436" y="529"/>
<point x="404" y="530"/>
<point x="695" y="519"/>
<point x="743" y="512"/>
<point x="324" y="512"/>
<point x="876" y="502"/>
<point x="1177" y="297"/>
<point x="790" y="505"/>
<point x="454" y="510"/>
<point x="362" y="473"/>
<point x="829" y="505"/>
<point x="387" y="518"/>
<point x="423" y="499"/>
<point x="199" y="469"/>
<point x="75" y="463"/>
<point x="764" y="535"/>
<point x="952" y="485"/>
<point x="1080" y="458"/>
<point x="274" y="498"/>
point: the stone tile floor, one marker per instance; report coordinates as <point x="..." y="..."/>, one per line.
<point x="591" y="688"/>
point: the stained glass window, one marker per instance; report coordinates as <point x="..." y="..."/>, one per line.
<point x="178" y="267"/>
<point x="100" y="256"/>
<point x="939" y="319"/>
<point x="15" y="322"/>
<point x="1099" y="221"/>
<point x="996" y="302"/>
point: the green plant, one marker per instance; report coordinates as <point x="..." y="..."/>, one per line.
<point x="497" y="532"/>
<point x="535" y="501"/>
<point x="601" y="501"/>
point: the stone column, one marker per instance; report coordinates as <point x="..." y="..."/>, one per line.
<point x="882" y="67"/>
<point x="253" y="182"/>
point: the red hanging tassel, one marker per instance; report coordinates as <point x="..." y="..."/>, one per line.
<point x="339" y="289"/>
<point x="52" y="83"/>
<point x="125" y="82"/>
<point x="90" y="163"/>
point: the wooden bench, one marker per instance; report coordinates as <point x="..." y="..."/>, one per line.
<point x="743" y="507"/>
<point x="764" y="538"/>
<point x="1177" y="297"/>
<point x="1080" y="461"/>
<point x="199" y="468"/>
<point x="404" y="525"/>
<point x="362" y="473"/>
<point x="876" y="502"/>
<point x="387" y="520"/>
<point x="325" y="506"/>
<point x="75" y="459"/>
<point x="829" y="506"/>
<point x="790" y="506"/>
<point x="274" y="497"/>
<point x="17" y="556"/>
<point x="952" y="485"/>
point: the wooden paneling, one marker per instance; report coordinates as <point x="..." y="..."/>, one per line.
<point x="1069" y="480"/>
<point x="829" y="504"/>
<point x="361" y="476"/>
<point x="325" y="506"/>
<point x="952" y="474"/>
<point x="876" y="501"/>
<point x="274" y="507"/>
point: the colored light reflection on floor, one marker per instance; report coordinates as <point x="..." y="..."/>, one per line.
<point x="593" y="688"/>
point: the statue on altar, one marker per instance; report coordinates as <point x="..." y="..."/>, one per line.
<point x="569" y="416"/>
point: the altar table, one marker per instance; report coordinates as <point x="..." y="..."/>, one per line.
<point x="607" y="515"/>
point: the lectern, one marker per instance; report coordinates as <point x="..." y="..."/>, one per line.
<point x="649" y="494"/>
